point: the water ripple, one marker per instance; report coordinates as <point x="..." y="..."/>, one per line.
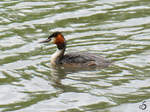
<point x="119" y="30"/>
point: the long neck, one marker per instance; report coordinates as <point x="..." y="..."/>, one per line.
<point x="59" y="53"/>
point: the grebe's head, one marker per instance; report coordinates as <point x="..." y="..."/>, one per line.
<point x="56" y="38"/>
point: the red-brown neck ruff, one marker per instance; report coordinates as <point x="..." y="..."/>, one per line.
<point x="60" y="42"/>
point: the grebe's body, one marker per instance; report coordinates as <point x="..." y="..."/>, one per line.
<point x="74" y="59"/>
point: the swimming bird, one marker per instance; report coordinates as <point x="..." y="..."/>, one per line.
<point x="73" y="59"/>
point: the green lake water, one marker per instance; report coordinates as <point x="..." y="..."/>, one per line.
<point x="117" y="29"/>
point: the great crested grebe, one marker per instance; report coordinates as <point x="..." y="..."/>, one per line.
<point x="77" y="59"/>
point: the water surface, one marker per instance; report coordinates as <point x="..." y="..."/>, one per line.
<point x="117" y="29"/>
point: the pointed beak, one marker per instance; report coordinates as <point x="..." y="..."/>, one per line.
<point x="45" y="41"/>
